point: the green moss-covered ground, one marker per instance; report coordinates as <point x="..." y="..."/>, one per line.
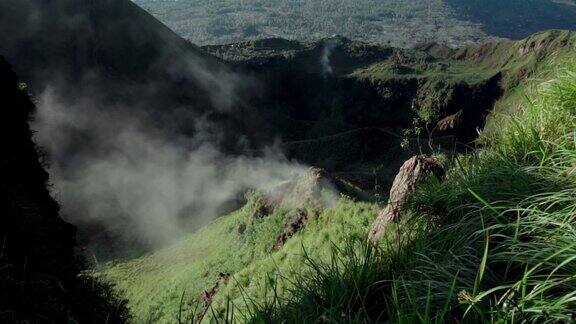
<point x="156" y="283"/>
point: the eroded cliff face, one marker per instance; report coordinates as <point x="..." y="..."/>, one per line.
<point x="339" y="102"/>
<point x="39" y="273"/>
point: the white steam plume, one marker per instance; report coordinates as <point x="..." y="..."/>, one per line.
<point x="138" y="179"/>
<point x="329" y="46"/>
<point x="116" y="165"/>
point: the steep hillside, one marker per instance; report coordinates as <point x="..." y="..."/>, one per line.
<point x="102" y="68"/>
<point x="149" y="137"/>
<point x="39" y="273"/>
<point x="231" y="270"/>
<point x="246" y="248"/>
<point x="117" y="51"/>
<point x="490" y="241"/>
<point x="337" y="87"/>
<point x="114" y="38"/>
<point x="342" y="105"/>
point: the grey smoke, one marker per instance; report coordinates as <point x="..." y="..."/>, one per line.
<point x="148" y="184"/>
<point x="122" y="166"/>
<point x="327" y="50"/>
<point x="223" y="86"/>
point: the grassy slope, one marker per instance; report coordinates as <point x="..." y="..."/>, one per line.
<point x="155" y="284"/>
<point x="493" y="242"/>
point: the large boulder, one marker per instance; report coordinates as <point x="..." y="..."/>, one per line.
<point x="411" y="173"/>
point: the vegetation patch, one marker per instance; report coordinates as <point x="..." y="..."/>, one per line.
<point x="492" y="242"/>
<point x="171" y="283"/>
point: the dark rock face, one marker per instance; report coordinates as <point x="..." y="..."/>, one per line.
<point x="111" y="38"/>
<point x="39" y="279"/>
<point x="467" y="109"/>
<point x="297" y="223"/>
<point x="207" y="296"/>
<point x="411" y="173"/>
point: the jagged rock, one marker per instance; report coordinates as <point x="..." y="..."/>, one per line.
<point x="449" y="122"/>
<point x="296" y="224"/>
<point x="262" y="207"/>
<point x="207" y="296"/>
<point x="241" y="228"/>
<point x="319" y="188"/>
<point x="313" y="189"/>
<point x="413" y="171"/>
<point x="307" y="190"/>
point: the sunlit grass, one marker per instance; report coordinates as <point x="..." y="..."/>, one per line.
<point x="494" y="242"/>
<point x="154" y="285"/>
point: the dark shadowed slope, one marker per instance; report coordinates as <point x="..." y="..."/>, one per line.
<point x="116" y="38"/>
<point x="38" y="270"/>
<point x="342" y="87"/>
<point x="101" y="68"/>
<point x="111" y="50"/>
<point x="116" y="52"/>
<point x="516" y="18"/>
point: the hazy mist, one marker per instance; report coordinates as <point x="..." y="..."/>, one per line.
<point x="122" y="168"/>
<point x="129" y="115"/>
<point x="329" y="46"/>
<point x="140" y="181"/>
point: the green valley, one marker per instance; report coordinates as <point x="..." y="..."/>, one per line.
<point x="396" y="22"/>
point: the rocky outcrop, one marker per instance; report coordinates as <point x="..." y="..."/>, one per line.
<point x="207" y="296"/>
<point x="297" y="223"/>
<point x="262" y="206"/>
<point x="449" y="122"/>
<point x="411" y="173"/>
